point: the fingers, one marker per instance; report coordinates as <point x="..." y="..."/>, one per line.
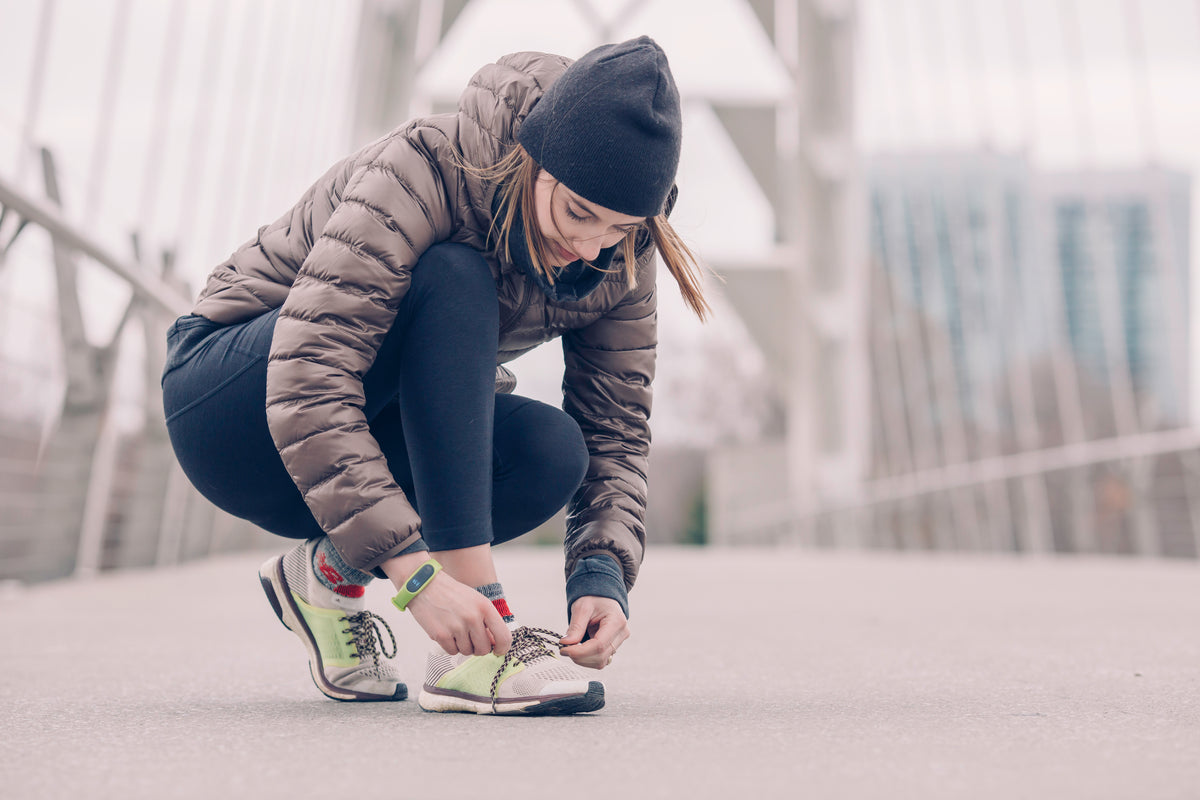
<point x="598" y="651"/>
<point x="501" y="636"/>
<point x="579" y="622"/>
<point x="460" y="619"/>
<point x="484" y="630"/>
<point x="468" y="638"/>
<point x="480" y="642"/>
<point x="585" y="614"/>
<point x="594" y="654"/>
<point x="445" y="640"/>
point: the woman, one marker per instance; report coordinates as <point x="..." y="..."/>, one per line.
<point x="338" y="380"/>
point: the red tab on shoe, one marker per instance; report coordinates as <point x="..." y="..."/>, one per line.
<point x="502" y="606"/>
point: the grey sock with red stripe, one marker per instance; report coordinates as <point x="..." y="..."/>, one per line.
<point x="495" y="593"/>
<point x="334" y="573"/>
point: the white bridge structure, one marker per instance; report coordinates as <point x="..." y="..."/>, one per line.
<point x="953" y="241"/>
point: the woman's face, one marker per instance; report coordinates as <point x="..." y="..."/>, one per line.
<point x="573" y="227"/>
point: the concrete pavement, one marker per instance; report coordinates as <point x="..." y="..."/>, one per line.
<point x="751" y="673"/>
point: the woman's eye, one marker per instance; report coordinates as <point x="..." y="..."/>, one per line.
<point x="571" y="213"/>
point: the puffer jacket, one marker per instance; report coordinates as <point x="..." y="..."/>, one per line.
<point x="339" y="262"/>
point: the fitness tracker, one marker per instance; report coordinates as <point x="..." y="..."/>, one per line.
<point x="415" y="583"/>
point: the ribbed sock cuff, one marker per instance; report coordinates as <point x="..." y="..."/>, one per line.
<point x="333" y="571"/>
<point x="495" y="593"/>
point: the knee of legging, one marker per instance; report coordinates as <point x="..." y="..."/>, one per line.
<point x="458" y="272"/>
<point x="543" y="465"/>
<point x="557" y="454"/>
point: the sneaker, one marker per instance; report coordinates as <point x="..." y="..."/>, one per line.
<point x="344" y="641"/>
<point x="530" y="678"/>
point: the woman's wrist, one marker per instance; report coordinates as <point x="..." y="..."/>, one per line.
<point x="399" y="568"/>
<point x="416" y="583"/>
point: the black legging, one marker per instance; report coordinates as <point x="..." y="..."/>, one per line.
<point x="430" y="401"/>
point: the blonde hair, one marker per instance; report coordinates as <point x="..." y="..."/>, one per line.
<point x="517" y="175"/>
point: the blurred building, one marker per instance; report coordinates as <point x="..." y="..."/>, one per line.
<point x="1133" y="224"/>
<point x="951" y="246"/>
<point x="989" y="265"/>
<point x="1029" y="365"/>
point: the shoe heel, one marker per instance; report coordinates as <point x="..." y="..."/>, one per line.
<point x="269" y="589"/>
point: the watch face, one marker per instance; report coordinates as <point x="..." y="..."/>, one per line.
<point x="419" y="577"/>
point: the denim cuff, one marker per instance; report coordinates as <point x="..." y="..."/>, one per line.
<point x="597" y="576"/>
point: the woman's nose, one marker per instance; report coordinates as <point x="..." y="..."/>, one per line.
<point x="587" y="249"/>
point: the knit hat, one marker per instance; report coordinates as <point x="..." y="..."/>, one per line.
<point x="609" y="128"/>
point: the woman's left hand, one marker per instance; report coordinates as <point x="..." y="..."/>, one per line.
<point x="602" y="619"/>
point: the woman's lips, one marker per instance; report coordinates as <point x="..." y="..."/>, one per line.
<point x="564" y="253"/>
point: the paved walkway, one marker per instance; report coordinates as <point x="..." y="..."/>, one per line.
<point x="752" y="673"/>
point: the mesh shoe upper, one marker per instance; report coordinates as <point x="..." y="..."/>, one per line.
<point x="347" y="655"/>
<point x="530" y="676"/>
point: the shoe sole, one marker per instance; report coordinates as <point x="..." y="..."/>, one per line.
<point x="442" y="701"/>
<point x="275" y="585"/>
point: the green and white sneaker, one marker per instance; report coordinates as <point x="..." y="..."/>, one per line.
<point x="346" y="655"/>
<point x="531" y="678"/>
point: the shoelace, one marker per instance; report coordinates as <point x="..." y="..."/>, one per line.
<point x="528" y="645"/>
<point x="368" y="639"/>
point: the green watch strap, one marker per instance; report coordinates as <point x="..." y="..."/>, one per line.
<point x="415" y="583"/>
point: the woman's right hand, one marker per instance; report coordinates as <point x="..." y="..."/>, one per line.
<point x="458" y="618"/>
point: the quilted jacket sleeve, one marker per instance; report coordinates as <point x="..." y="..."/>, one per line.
<point x="340" y="307"/>
<point x="609" y="367"/>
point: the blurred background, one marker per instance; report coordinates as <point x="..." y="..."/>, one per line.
<point x="950" y="242"/>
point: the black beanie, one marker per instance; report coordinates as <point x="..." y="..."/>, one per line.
<point x="609" y="128"/>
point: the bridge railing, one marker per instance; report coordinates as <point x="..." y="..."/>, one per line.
<point x="95" y="485"/>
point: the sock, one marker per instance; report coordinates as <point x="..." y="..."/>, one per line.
<point x="495" y="593"/>
<point x="336" y="574"/>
